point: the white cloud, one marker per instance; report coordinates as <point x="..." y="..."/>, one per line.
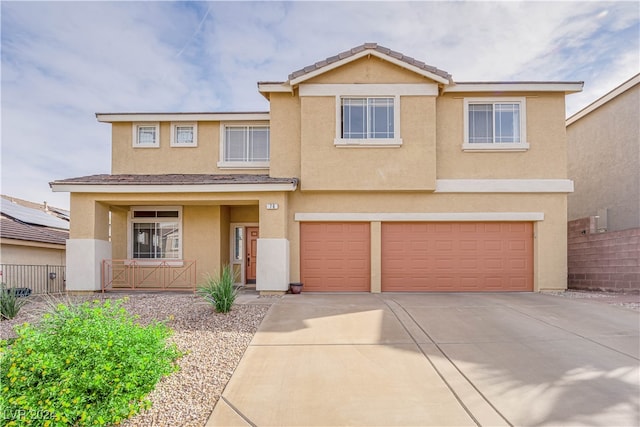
<point x="64" y="61"/>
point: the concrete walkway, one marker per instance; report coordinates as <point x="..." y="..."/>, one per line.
<point x="437" y="360"/>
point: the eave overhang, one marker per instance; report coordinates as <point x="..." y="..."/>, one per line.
<point x="565" y="87"/>
<point x="368" y="52"/>
<point x="181" y="117"/>
<point x="174" y="184"/>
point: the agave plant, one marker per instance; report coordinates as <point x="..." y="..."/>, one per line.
<point x="10" y="302"/>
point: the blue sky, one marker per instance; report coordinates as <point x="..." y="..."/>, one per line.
<point x="64" y="61"/>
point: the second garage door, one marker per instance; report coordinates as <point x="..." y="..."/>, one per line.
<point x="335" y="256"/>
<point x="462" y="256"/>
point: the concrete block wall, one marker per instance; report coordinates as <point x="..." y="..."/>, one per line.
<point x="609" y="260"/>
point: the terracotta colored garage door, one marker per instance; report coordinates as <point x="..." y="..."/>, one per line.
<point x="457" y="256"/>
<point x="335" y="256"/>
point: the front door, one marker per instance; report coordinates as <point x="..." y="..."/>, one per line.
<point x="252" y="252"/>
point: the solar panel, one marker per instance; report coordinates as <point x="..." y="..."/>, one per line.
<point x="31" y="216"/>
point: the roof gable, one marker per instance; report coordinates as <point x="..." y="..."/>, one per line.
<point x="372" y="49"/>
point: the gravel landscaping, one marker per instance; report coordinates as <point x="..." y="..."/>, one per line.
<point x="629" y="300"/>
<point x="213" y="344"/>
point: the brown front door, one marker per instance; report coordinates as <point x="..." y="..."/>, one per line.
<point x="252" y="252"/>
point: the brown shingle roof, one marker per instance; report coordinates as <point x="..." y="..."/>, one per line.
<point x="175" y="179"/>
<point x="16" y="230"/>
<point x="373" y="46"/>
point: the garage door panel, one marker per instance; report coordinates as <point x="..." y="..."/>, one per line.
<point x="335" y="256"/>
<point x="457" y="256"/>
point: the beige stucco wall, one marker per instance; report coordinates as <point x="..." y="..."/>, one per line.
<point x="204" y="158"/>
<point x="369" y="69"/>
<point x="604" y="162"/>
<point x="546" y="157"/>
<point x="244" y="214"/>
<point x="285" y="135"/>
<point x="304" y="129"/>
<point x="206" y="220"/>
<point x="550" y="256"/>
<point x="31" y="253"/>
<point x="325" y="166"/>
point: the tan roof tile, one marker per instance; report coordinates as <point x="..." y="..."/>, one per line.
<point x="175" y="179"/>
<point x="16" y="230"/>
<point x="374" y="46"/>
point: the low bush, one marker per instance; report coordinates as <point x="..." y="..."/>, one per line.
<point x="219" y="290"/>
<point x="86" y="364"/>
<point x="10" y="302"/>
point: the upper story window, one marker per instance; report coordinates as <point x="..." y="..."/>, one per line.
<point x="146" y="135"/>
<point x="494" y="124"/>
<point x="155" y="233"/>
<point x="367" y="118"/>
<point x="372" y="120"/>
<point x="244" y="146"/>
<point x="184" y="134"/>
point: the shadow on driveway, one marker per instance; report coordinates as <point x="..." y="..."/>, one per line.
<point x="437" y="359"/>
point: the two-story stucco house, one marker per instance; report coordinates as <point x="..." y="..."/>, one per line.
<point x="371" y="171"/>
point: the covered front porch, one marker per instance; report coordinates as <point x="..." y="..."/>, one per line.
<point x="150" y="235"/>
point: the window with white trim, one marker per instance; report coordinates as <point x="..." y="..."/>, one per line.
<point x="184" y="134"/>
<point x="495" y="124"/>
<point x="155" y="233"/>
<point x="146" y="135"/>
<point x="370" y="120"/>
<point x="244" y="146"/>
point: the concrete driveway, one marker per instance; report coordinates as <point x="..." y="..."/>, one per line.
<point x="437" y="360"/>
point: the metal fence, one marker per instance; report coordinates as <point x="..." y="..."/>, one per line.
<point x="41" y="279"/>
<point x="166" y="275"/>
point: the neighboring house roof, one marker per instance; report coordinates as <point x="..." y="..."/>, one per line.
<point x="16" y="230"/>
<point x="604" y="99"/>
<point x="37" y="215"/>
<point x="33" y="222"/>
<point x="175" y="183"/>
<point x="358" y="52"/>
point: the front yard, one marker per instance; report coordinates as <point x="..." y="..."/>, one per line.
<point x="212" y="343"/>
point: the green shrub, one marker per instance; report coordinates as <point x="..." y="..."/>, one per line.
<point x="219" y="290"/>
<point x="10" y="302"/>
<point x="83" y="365"/>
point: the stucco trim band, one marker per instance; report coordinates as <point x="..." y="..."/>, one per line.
<point x="422" y="216"/>
<point x="504" y="186"/>
<point x="404" y="89"/>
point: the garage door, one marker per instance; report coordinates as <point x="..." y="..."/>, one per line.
<point x="335" y="256"/>
<point x="457" y="256"/>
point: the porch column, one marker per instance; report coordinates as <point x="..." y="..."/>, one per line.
<point x="272" y="271"/>
<point x="88" y="243"/>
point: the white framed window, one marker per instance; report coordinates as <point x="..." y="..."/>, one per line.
<point x="244" y="146"/>
<point x="184" y="134"/>
<point x="146" y="135"/>
<point x="155" y="233"/>
<point x="493" y="124"/>
<point x="368" y="120"/>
